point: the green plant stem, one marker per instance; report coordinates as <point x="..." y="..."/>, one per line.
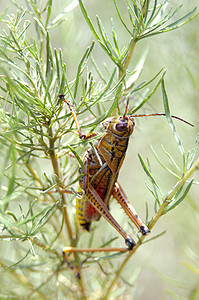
<point x="79" y="281"/>
<point x="52" y="153"/>
<point x="37" y="242"/>
<point x="127" y="60"/>
<point x="36" y="177"/>
<point x="56" y="171"/>
<point x="19" y="277"/>
<point x="29" y="296"/>
<point x="72" y="239"/>
<point x="123" y="69"/>
<point x="66" y="218"/>
<point x="144" y="7"/>
<point x="34" y="174"/>
<point x="160" y="212"/>
<point x="172" y="193"/>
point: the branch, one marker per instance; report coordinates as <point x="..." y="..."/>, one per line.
<point x="160" y="212"/>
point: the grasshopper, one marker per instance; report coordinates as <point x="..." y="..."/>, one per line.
<point x="102" y="165"/>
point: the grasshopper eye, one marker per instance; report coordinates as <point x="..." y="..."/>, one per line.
<point x="120" y="126"/>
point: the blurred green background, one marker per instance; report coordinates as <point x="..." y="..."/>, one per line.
<point x="165" y="264"/>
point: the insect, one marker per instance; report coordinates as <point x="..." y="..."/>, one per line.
<point x="102" y="163"/>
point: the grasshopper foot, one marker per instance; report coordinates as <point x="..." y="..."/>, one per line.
<point x="130" y="243"/>
<point x="144" y="230"/>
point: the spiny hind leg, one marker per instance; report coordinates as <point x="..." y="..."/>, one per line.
<point x="98" y="204"/>
<point x="93" y="197"/>
<point x="121" y="198"/>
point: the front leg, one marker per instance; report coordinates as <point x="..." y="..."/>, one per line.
<point x="82" y="136"/>
<point x="121" y="198"/>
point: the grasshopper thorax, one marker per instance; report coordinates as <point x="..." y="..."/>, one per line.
<point x="119" y="126"/>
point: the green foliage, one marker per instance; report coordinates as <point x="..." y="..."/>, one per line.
<point x="38" y="138"/>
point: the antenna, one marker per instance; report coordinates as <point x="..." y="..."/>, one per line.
<point x="161" y="114"/>
<point x="126" y="109"/>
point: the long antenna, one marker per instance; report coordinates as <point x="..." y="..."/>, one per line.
<point x="126" y="109"/>
<point x="161" y="114"/>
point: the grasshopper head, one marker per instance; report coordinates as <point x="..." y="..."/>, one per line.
<point x="120" y="126"/>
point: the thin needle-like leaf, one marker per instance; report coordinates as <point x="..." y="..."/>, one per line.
<point x="170" y="121"/>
